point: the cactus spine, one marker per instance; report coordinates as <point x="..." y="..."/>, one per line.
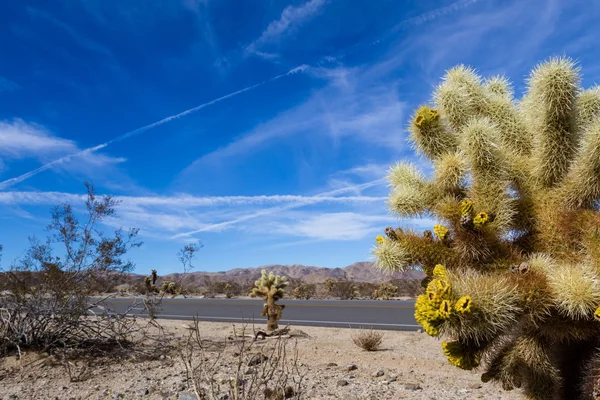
<point x="270" y="288"/>
<point x="513" y="264"/>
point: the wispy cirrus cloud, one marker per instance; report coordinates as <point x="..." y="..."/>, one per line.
<point x="290" y="19"/>
<point x="25" y="140"/>
<point x="77" y="37"/>
<point x="182" y="216"/>
<point x="347" y="108"/>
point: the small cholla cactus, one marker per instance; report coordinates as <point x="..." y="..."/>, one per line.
<point x="271" y="288"/>
<point x="516" y="186"/>
<point x="169" y="288"/>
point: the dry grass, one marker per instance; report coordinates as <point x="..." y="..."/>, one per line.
<point x="368" y="340"/>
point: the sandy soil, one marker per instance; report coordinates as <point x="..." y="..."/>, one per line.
<point x="414" y="359"/>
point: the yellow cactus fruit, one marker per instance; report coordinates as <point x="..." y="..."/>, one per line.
<point x="597" y="314"/>
<point x="466" y="207"/>
<point x="440" y="271"/>
<point x="480" y="220"/>
<point x="457" y="356"/>
<point x="445" y="309"/>
<point x="463" y="305"/>
<point x="440" y="231"/>
<point x="425" y="116"/>
<point x="379" y="239"/>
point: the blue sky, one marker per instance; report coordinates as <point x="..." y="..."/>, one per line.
<point x="262" y="128"/>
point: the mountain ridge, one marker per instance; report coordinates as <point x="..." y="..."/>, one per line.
<point x="360" y="272"/>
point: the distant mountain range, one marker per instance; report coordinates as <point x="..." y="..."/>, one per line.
<point x="360" y="272"/>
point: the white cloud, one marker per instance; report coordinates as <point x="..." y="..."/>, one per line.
<point x="331" y="226"/>
<point x="183" y="216"/>
<point x="21" y="140"/>
<point x="290" y="18"/>
<point x="347" y="108"/>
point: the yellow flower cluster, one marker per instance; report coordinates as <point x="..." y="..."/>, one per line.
<point x="458" y="356"/>
<point x="426" y="116"/>
<point x="379" y="239"/>
<point x="480" y="220"/>
<point x="434" y="306"/>
<point x="466" y="207"/>
<point x="440" y="231"/>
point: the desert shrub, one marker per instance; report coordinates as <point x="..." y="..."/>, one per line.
<point x="365" y="289"/>
<point x="213" y="287"/>
<point x="343" y="290"/>
<point x="512" y="265"/>
<point x="305" y="291"/>
<point x="385" y="292"/>
<point x="408" y="287"/>
<point x="47" y="298"/>
<point x="368" y="340"/>
<point x="259" y="369"/>
<point x="233" y="289"/>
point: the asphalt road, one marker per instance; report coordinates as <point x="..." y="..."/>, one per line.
<point x="375" y="314"/>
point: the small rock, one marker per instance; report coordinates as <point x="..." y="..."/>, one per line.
<point x="342" y="382"/>
<point x="332" y="364"/>
<point x="186" y="396"/>
<point x="351" y="367"/>
<point x="222" y="396"/>
<point x="419" y="330"/>
<point x="392" y="378"/>
<point x="118" y="396"/>
<point x="412" y="386"/>
<point x="351" y="376"/>
<point x="181" y="387"/>
<point x="475" y="386"/>
<point x="378" y="374"/>
<point x="13" y="396"/>
<point x="144" y="392"/>
<point x="463" y="391"/>
<point x="257" y="359"/>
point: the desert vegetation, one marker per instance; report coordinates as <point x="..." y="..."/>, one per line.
<point x="513" y="272"/>
<point x="270" y="288"/>
<point x="49" y="305"/>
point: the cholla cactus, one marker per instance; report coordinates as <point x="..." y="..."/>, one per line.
<point x="169" y="287"/>
<point x="513" y="270"/>
<point x="271" y="288"/>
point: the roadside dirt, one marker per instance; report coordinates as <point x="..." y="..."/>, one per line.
<point x="410" y="364"/>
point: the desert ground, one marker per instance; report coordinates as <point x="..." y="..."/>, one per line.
<point x="409" y="365"/>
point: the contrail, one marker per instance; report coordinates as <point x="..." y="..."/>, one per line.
<point x="418" y="20"/>
<point x="273" y="210"/>
<point x="12" y="181"/>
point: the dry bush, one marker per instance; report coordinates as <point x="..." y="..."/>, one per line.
<point x="258" y="369"/>
<point x="47" y="302"/>
<point x="408" y="287"/>
<point x="365" y="289"/>
<point x="385" y="292"/>
<point x="368" y="340"/>
<point x="343" y="290"/>
<point x="305" y="291"/>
